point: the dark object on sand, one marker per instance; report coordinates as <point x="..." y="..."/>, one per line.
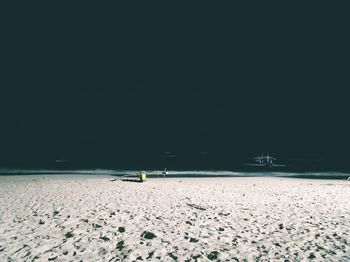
<point x="69" y="235"/>
<point x="213" y="255"/>
<point x="105" y="238"/>
<point x="120" y="245"/>
<point x="148" y="235"/>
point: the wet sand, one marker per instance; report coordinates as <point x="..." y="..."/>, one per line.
<point x="89" y="218"/>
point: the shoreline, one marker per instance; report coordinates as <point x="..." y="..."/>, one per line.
<point x="184" y="174"/>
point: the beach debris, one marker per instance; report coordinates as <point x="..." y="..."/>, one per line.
<point x="113" y="179"/>
<point x="95" y="226"/>
<point x="195" y="257"/>
<point x="312" y="256"/>
<point x="213" y="255"/>
<point x="193" y="240"/>
<point x="150" y="254"/>
<point x="121" y="229"/>
<point x="173" y="256"/>
<point x="41" y="222"/>
<point x="196" y="206"/>
<point x="120" y="245"/>
<point x="277" y="244"/>
<point x="104" y="238"/>
<point x="69" y="234"/>
<point x="148" y="235"/>
<point x="224" y="214"/>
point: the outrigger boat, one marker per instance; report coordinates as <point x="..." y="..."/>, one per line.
<point x="264" y="161"/>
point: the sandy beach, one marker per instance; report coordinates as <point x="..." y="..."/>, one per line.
<point x="90" y="218"/>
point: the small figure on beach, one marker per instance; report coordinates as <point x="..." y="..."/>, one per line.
<point x="142" y="176"/>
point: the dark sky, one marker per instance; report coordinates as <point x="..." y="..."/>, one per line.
<point x="95" y="82"/>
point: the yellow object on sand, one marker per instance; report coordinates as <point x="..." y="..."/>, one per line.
<point x="142" y="176"/>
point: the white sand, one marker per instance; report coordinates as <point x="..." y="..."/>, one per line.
<point x="73" y="218"/>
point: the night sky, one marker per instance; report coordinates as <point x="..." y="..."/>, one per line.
<point x="213" y="85"/>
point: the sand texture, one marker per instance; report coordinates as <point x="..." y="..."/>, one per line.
<point x="74" y="218"/>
